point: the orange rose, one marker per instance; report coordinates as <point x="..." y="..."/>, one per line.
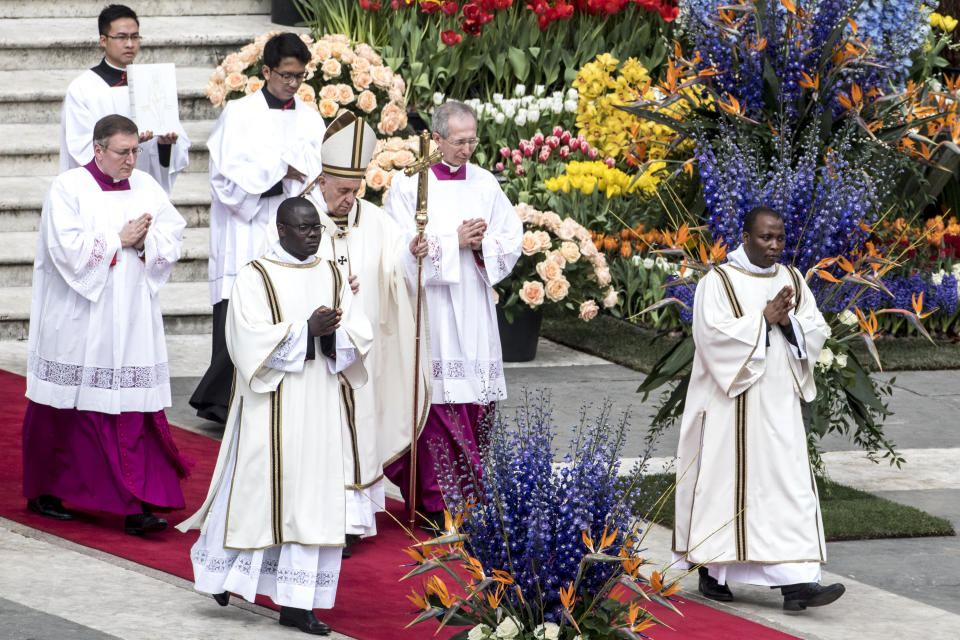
<point x="532" y="293"/>
<point x="328" y="108"/>
<point x="233" y="64"/>
<point x="219" y="75"/>
<point x="361" y="79"/>
<point x="570" y="251"/>
<point x="306" y="93"/>
<point x="367" y="101"/>
<point x="530" y="244"/>
<point x="557" y="289"/>
<point x="236" y="81"/>
<point x="393" y="144"/>
<point x="548" y="270"/>
<point x="248" y="55"/>
<point x="588" y="250"/>
<point x="348" y="56"/>
<point x="557" y="257"/>
<point x="366" y="52"/>
<point x="544" y="239"/>
<point x="567" y="229"/>
<point x="320" y="52"/>
<point x="216" y="94"/>
<point x="382" y="77"/>
<point x="254" y="84"/>
<point x="376" y="177"/>
<point x="331" y="68"/>
<point x="588" y="310"/>
<point x="403" y="158"/>
<point x="345" y="94"/>
<point x="385" y="160"/>
<point x="329" y="92"/>
<point x="392" y="118"/>
<point x="360" y="65"/>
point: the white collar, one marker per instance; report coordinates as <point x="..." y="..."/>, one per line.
<point x="739" y="259"/>
<point x="280" y="254"/>
<point x="107" y="62"/>
<point x="453" y="169"/>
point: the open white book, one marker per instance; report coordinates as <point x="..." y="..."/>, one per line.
<point x="153" y="97"/>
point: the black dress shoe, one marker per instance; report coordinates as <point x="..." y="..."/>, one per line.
<point x="348" y="546"/>
<point x="797" y="597"/>
<point x="223" y="599"/>
<point x="49" y="507"/>
<point x="712" y="589"/>
<point x="304" y="620"/>
<point x="141" y="523"/>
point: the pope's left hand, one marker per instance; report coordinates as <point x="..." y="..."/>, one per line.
<point x="354" y="284"/>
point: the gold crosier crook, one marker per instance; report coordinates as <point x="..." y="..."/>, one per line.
<point x="420" y="167"/>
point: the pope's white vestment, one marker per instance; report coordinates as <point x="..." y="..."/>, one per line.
<point x="746" y="500"/>
<point x="251" y="147"/>
<point x="89" y="98"/>
<point x="377" y="417"/>
<point x="466" y="362"/>
<point x="273" y="521"/>
<point x="96" y="331"/>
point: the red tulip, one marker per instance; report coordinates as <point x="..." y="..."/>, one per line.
<point x="450" y="38"/>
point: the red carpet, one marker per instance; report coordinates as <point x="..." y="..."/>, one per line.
<point x="371" y="602"/>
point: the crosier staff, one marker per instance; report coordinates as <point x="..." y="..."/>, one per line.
<point x="420" y="167"/>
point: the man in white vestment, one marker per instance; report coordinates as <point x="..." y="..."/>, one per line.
<point x="262" y="149"/>
<point x="103" y="90"/>
<point x="369" y="250"/>
<point x="747" y="508"/>
<point x="471" y="242"/>
<point x="273" y="522"/>
<point x="95" y="433"/>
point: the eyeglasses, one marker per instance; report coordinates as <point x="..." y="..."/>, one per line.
<point x="304" y="228"/>
<point x="123" y="37"/>
<point x="471" y="142"/>
<point x="289" y="77"/>
<point x="123" y="153"/>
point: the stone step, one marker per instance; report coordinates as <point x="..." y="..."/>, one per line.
<point x="68" y="43"/>
<point x="34" y="150"/>
<point x="36" y="96"/>
<point x="186" y="310"/>
<point x="22" y="201"/>
<point x="144" y="8"/>
<point x="19" y="248"/>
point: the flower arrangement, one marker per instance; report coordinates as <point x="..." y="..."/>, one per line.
<point x="340" y="75"/>
<point x="545" y="553"/>
<point x="559" y="265"/>
<point x="390" y="156"/>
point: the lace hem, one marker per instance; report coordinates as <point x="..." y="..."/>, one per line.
<point x="435" y="251"/>
<point x="242" y="562"/>
<point x="74" y="375"/>
<point x="97" y="258"/>
<point x="489" y="375"/>
<point x="278" y="360"/>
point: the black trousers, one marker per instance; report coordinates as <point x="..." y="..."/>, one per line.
<point x="212" y="396"/>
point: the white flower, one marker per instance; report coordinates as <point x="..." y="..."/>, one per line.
<point x="499" y="118"/>
<point x="547" y="631"/>
<point x="827" y="330"/>
<point x="539" y="90"/>
<point x="480" y="632"/>
<point x="497" y="98"/>
<point x="848" y="318"/>
<point x="826" y="358"/>
<point x="507" y="629"/>
<point x="648" y="263"/>
<point x="955" y="269"/>
<point x="509" y="109"/>
<point x="480" y="108"/>
<point x="841" y="360"/>
<point x="937" y="278"/>
<point x="521" y="118"/>
<point x="662" y="263"/>
<point x="438" y="98"/>
<point x="519" y="91"/>
<point x="527" y="100"/>
<point x="570" y="106"/>
<point x="533" y="115"/>
<point x="556" y="105"/>
<point x="572" y="94"/>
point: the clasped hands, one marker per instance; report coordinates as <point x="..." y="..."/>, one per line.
<point x="134" y="232"/>
<point x="324" y="321"/>
<point x="470" y="234"/>
<point x="168" y="138"/>
<point x="777" y="310"/>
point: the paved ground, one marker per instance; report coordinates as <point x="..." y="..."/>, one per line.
<point x="50" y="588"/>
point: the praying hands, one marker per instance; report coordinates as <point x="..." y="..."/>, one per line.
<point x="777" y="309"/>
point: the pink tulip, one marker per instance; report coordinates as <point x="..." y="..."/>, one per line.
<point x="609" y="162"/>
<point x="528" y="149"/>
<point x="552" y="141"/>
<point x="592" y="154"/>
<point x="517" y="160"/>
<point x="544" y="154"/>
<point x="505" y="152"/>
<point x="574" y="144"/>
<point x="498" y="166"/>
<point x="565" y="136"/>
<point x="564" y="152"/>
<point x="537" y="139"/>
<point x="521" y="171"/>
<point x="557" y="130"/>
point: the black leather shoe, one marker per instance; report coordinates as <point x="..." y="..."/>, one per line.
<point x="348" y="546"/>
<point x="49" y="507"/>
<point x="304" y="620"/>
<point x="797" y="597"/>
<point x="223" y="599"/>
<point x="141" y="523"/>
<point x="712" y="589"/>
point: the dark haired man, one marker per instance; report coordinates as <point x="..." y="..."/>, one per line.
<point x="275" y="516"/>
<point x="103" y="90"/>
<point x="262" y="149"/>
<point x="746" y="504"/>
<point x="94" y="433"/>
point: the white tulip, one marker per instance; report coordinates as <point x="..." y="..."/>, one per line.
<point x="533" y="114"/>
<point x="509" y="109"/>
<point x="499" y="118"/>
<point x="572" y="94"/>
<point x="539" y="90"/>
<point x="438" y="98"/>
<point x="648" y="263"/>
<point x="521" y="118"/>
<point x="519" y="90"/>
<point x="497" y="98"/>
<point x="570" y="106"/>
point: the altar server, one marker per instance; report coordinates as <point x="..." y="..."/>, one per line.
<point x="95" y="433"/>
<point x="369" y="250"/>
<point x="103" y="90"/>
<point x="262" y="149"/>
<point x="273" y="522"/>
<point x="746" y="501"/>
<point x="472" y="241"/>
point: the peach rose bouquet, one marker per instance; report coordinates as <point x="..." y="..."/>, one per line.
<point x="558" y="265"/>
<point x="389" y="158"/>
<point x="341" y="75"/>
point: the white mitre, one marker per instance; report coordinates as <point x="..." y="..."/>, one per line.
<point x="348" y="146"/>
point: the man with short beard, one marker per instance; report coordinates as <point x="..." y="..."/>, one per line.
<point x="262" y="150"/>
<point x="746" y="502"/>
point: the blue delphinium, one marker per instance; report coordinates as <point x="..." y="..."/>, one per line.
<point x="526" y="517"/>
<point x="895" y="29"/>
<point x="905" y="289"/>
